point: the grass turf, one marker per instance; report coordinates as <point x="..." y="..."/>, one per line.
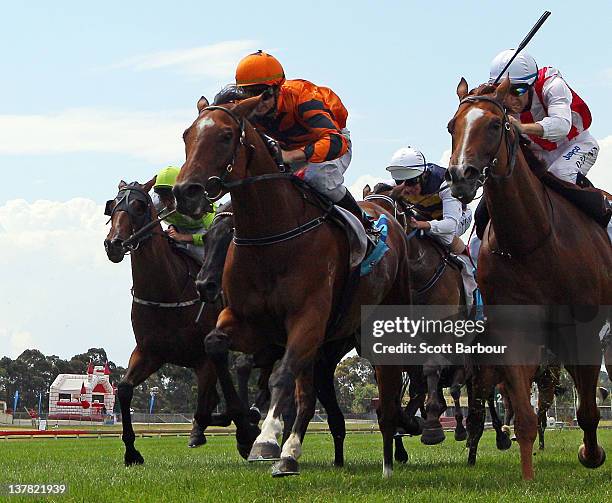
<point x="94" y="471"/>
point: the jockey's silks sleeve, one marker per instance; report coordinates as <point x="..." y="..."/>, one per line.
<point x="310" y="118"/>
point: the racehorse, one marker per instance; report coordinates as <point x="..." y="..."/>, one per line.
<point x="538" y="250"/>
<point x="285" y="274"/>
<point x="208" y="282"/>
<point x="165" y="305"/>
<point x="436" y="281"/>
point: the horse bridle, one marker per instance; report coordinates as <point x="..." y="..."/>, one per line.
<point x="125" y="195"/>
<point x="223" y="184"/>
<point x="512" y="150"/>
<point x="221" y="180"/>
<point x="511" y="146"/>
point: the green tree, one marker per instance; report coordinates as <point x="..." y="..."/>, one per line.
<point x="351" y="373"/>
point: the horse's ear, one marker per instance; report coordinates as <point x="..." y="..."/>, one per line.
<point x="367" y="190"/>
<point x="149" y="185"/>
<point x="121" y="184"/>
<point x="259" y="106"/>
<point x="250" y="106"/>
<point x="462" y="89"/>
<point x="502" y="90"/>
<point x="202" y="104"/>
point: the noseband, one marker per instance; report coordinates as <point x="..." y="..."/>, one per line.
<point x="510" y="143"/>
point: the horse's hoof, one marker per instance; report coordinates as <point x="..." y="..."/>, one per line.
<point x="460" y="434"/>
<point x="590" y="463"/>
<point x="133" y="458"/>
<point x="196" y="440"/>
<point x="338" y="463"/>
<point x="254" y="415"/>
<point x="503" y="442"/>
<point x="285" y="467"/>
<point x="432" y="436"/>
<point x="265" y="451"/>
<point x="245" y="440"/>
<point x="401" y="457"/>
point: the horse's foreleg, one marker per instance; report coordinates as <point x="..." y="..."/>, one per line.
<point x="207" y="401"/>
<point x="585" y="378"/>
<point x="305" y="399"/>
<point x="389" y="381"/>
<point x="432" y="431"/>
<point x="306" y="331"/>
<point x="217" y="344"/>
<point x="518" y="381"/>
<point x="326" y="393"/>
<point x="546" y="395"/>
<point x="479" y="389"/>
<point x="139" y="369"/>
<point x="455" y="392"/>
<point x="502" y="437"/>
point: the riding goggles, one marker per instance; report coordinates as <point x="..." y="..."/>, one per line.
<point x="519" y="89"/>
<point x="411" y="182"/>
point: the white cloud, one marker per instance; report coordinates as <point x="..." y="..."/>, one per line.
<point x="445" y="158"/>
<point x="216" y="61"/>
<point x="600" y="173"/>
<point x="15" y="341"/>
<point x="153" y="136"/>
<point x="357" y="187"/>
<point x="60" y="293"/>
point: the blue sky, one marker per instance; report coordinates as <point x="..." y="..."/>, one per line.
<point x="94" y="93"/>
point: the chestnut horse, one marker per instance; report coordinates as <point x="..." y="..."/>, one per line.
<point x="208" y="282"/>
<point x="164" y="308"/>
<point x="285" y="273"/>
<point x="538" y="250"/>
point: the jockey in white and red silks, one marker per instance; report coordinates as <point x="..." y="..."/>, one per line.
<point x="549" y="113"/>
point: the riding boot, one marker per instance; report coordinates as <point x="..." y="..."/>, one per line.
<point x="348" y="203"/>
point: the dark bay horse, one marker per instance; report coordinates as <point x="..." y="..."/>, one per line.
<point x="164" y="308"/>
<point x="208" y="282"/>
<point x="538" y="250"/>
<point x="435" y="281"/>
<point x="285" y="273"/>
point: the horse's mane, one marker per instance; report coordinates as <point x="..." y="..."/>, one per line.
<point x="382" y="187"/>
<point x="482" y="89"/>
<point x="229" y="94"/>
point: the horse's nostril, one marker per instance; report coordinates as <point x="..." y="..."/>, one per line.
<point x="471" y="172"/>
<point x="194" y="191"/>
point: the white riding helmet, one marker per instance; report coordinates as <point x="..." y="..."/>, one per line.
<point x="523" y="70"/>
<point x="407" y="163"/>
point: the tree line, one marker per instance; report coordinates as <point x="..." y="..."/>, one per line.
<point x="32" y="373"/>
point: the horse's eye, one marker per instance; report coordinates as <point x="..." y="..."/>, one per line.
<point x="451" y="126"/>
<point x="227" y="136"/>
<point x="495" y="124"/>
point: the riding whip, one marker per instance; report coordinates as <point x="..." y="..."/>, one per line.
<point x="524" y="43"/>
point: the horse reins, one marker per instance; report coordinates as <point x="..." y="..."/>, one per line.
<point x="228" y="185"/>
<point x="512" y="151"/>
<point x="132" y="243"/>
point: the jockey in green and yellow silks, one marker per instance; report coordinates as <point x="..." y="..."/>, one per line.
<point x="186" y="231"/>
